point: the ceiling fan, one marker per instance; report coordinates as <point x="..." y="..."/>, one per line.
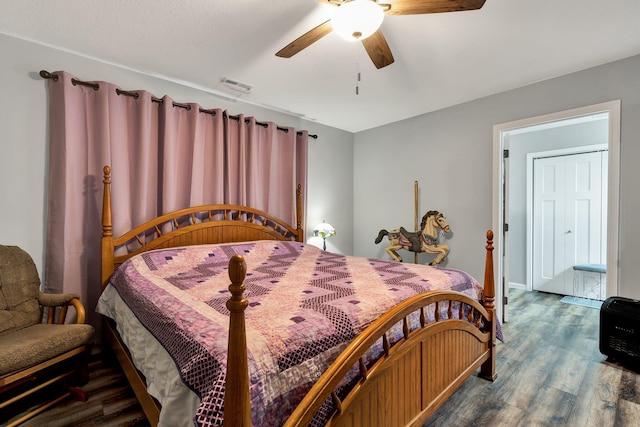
<point x="372" y="39"/>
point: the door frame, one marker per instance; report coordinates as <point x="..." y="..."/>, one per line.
<point x="613" y="191"/>
<point x="529" y="208"/>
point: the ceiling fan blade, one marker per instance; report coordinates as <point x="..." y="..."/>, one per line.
<point x="305" y="40"/>
<point x="378" y="49"/>
<point x="418" y="7"/>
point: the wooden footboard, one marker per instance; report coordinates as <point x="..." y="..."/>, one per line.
<point x="411" y="378"/>
<point x="414" y="376"/>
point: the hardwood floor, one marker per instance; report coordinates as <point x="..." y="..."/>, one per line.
<point x="111" y="402"/>
<point x="550" y="373"/>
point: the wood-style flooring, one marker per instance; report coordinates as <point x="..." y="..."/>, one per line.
<point x="111" y="402"/>
<point x="550" y="373"/>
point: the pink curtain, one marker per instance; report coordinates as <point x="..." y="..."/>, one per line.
<point x="164" y="156"/>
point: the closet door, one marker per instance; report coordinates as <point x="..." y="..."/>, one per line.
<point x="568" y="218"/>
<point x="584" y="210"/>
<point x="548" y="224"/>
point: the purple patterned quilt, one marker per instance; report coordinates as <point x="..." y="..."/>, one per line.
<point x="305" y="306"/>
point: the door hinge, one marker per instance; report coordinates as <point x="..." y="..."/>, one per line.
<point x="506" y="227"/>
<point x="505" y="300"/>
<point x="505" y="154"/>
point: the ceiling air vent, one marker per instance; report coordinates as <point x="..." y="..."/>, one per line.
<point x="236" y="85"/>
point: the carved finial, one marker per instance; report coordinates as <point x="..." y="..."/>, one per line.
<point x="107" y="223"/>
<point x="237" y="272"/>
<point x="237" y="269"/>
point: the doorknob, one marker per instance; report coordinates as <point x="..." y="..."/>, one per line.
<point x="568" y="231"/>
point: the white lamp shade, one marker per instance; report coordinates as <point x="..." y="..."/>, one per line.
<point x="357" y="19"/>
<point x="324" y="230"/>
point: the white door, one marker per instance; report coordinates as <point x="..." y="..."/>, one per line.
<point x="548" y="224"/>
<point x="586" y="209"/>
<point x="567" y="218"/>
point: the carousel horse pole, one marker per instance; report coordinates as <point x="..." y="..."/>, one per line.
<point x="415" y="215"/>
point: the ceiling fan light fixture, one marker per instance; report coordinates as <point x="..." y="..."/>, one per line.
<point x="357" y="19"/>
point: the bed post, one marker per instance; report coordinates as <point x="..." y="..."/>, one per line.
<point x="299" y="230"/>
<point x="488" y="369"/>
<point x="237" y="407"/>
<point x="107" y="229"/>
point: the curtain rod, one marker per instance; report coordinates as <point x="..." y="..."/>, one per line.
<point x="47" y="75"/>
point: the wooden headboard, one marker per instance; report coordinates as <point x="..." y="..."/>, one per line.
<point x="218" y="223"/>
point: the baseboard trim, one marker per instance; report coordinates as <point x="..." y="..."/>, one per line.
<point x="520" y="286"/>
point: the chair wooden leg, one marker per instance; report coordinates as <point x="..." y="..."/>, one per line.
<point x="77" y="394"/>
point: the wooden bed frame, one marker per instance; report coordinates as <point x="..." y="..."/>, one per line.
<point x="405" y="386"/>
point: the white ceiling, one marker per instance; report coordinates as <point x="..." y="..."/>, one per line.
<point x="440" y="59"/>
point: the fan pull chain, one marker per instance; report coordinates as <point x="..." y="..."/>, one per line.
<point x="357" y="71"/>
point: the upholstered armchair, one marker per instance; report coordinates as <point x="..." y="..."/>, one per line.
<point x="38" y="349"/>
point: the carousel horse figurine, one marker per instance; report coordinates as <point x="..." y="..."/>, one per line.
<point x="425" y="240"/>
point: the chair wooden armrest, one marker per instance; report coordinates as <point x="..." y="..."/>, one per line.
<point x="59" y="303"/>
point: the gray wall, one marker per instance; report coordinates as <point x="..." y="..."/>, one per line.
<point x="521" y="144"/>
<point x="450" y="152"/>
<point x="24" y="155"/>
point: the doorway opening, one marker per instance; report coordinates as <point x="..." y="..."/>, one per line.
<point x="504" y="242"/>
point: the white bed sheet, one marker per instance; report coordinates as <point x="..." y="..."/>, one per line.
<point x="178" y="402"/>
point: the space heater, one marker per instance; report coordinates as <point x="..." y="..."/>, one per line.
<point x="620" y="331"/>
